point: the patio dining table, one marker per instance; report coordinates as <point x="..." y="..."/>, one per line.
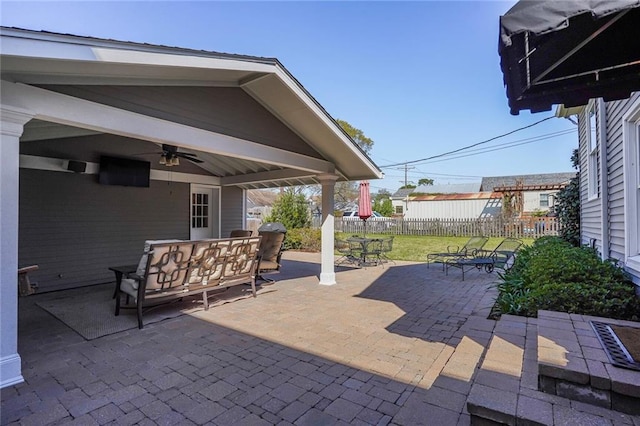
<point x="364" y="249"/>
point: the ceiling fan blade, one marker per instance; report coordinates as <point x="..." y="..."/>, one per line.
<point x="186" y="154"/>
<point x="194" y="160"/>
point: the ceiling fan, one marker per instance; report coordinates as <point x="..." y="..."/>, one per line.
<point x="170" y="156"/>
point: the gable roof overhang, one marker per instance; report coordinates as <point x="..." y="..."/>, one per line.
<point x="567" y="52"/>
<point x="32" y="58"/>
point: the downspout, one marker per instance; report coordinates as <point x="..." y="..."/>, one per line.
<point x="604" y="179"/>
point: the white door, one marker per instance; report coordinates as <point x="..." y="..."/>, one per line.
<point x="205" y="212"/>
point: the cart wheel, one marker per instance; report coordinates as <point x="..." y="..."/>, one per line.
<point x="488" y="268"/>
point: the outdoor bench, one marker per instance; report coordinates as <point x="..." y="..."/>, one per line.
<point x="173" y="269"/>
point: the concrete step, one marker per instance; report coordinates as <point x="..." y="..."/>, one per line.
<point x="573" y="364"/>
<point x="505" y="389"/>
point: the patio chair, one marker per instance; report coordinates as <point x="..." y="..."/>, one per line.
<point x="474" y="244"/>
<point x="269" y="254"/>
<point x="386" y="247"/>
<point x="501" y="257"/>
<point x="346" y="254"/>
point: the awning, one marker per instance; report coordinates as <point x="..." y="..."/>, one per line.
<point x="567" y="52"/>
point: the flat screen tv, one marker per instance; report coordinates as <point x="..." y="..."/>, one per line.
<point x="124" y="172"/>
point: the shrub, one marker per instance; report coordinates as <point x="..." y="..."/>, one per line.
<point x="551" y="274"/>
<point x="306" y="239"/>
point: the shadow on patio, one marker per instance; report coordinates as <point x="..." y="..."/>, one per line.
<point x="399" y="345"/>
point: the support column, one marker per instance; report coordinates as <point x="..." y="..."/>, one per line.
<point x="12" y="123"/>
<point x="327" y="271"/>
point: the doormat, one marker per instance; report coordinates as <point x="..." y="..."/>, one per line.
<point x="622" y="344"/>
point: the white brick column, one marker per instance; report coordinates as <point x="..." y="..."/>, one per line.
<point x="327" y="271"/>
<point x="12" y="123"/>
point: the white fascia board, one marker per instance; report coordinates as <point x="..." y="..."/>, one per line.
<point x="58" y="108"/>
<point x="310" y="104"/>
<point x="75" y="50"/>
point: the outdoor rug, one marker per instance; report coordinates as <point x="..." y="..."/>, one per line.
<point x="90" y="311"/>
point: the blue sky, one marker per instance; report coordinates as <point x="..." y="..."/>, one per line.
<point x="419" y="78"/>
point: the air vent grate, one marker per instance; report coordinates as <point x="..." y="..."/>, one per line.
<point x="615" y="350"/>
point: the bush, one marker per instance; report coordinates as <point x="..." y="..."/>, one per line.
<point x="553" y="275"/>
<point x="306" y="239"/>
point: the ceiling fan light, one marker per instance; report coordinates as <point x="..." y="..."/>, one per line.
<point x="175" y="161"/>
<point x="163" y="160"/>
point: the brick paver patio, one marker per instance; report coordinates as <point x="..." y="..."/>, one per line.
<point x="395" y="345"/>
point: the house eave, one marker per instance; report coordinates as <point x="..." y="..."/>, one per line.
<point x="33" y="57"/>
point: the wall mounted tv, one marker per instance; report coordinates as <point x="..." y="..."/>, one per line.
<point x="124" y="172"/>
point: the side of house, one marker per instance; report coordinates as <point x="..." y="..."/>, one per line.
<point x="609" y="147"/>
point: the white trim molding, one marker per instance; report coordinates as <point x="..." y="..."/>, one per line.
<point x="631" y="140"/>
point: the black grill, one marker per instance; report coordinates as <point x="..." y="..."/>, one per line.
<point x="615" y="350"/>
<point x="273" y="227"/>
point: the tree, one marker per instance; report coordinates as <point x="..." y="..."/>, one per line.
<point x="567" y="206"/>
<point x="346" y="193"/>
<point x="291" y="209"/>
<point x="357" y="135"/>
<point x="408" y="186"/>
<point x="425" y="181"/>
<point x="383" y="206"/>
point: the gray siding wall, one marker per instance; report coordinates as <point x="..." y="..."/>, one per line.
<point x="226" y="110"/>
<point x="615" y="164"/>
<point x="590" y="212"/>
<point x="75" y="228"/>
<point x="231" y="210"/>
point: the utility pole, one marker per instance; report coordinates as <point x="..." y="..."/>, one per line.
<point x="406" y="170"/>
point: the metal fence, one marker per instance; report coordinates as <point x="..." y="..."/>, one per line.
<point x="490" y="227"/>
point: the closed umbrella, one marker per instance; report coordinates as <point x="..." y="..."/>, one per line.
<point x="364" y="204"/>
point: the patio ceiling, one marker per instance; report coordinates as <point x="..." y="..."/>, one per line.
<point x="567" y="52"/>
<point x="33" y="62"/>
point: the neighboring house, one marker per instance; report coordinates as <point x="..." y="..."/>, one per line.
<point x="470" y="205"/>
<point x="609" y="147"/>
<point x="260" y="203"/>
<point x="399" y="201"/>
<point x="530" y="194"/>
<point x="70" y="105"/>
<point x="535" y="193"/>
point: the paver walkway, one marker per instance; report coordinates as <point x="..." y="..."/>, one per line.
<point x="395" y="345"/>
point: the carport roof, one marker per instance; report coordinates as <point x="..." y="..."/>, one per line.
<point x="44" y="58"/>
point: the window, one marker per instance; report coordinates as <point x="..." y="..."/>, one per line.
<point x="544" y="200"/>
<point x="399" y="209"/>
<point x="199" y="210"/>
<point x="592" y="150"/>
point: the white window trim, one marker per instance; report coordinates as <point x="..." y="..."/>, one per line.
<point x="631" y="140"/>
<point x="593" y="186"/>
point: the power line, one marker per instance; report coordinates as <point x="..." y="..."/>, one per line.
<point x="486" y="150"/>
<point x="469" y="146"/>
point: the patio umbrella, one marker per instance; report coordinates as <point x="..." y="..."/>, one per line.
<point x="364" y="203"/>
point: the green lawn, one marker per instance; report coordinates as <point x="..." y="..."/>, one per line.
<point x="416" y="247"/>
